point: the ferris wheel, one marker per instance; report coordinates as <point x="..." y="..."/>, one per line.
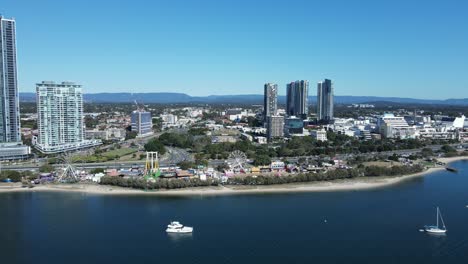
<point x="237" y="160"/>
<point x="69" y="173"/>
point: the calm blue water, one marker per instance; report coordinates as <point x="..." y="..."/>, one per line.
<point x="376" y="226"/>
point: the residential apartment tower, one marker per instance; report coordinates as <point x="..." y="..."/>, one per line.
<point x="270" y="100"/>
<point x="10" y="131"/>
<point x="60" y="118"/>
<point x="325" y="101"/>
<point x="297" y="94"/>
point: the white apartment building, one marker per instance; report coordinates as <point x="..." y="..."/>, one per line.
<point x="319" y="135"/>
<point x="60" y="118"/>
<point x="436" y="133"/>
<point x="108" y="134"/>
<point x="169" y="119"/>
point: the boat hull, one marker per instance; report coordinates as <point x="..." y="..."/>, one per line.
<point x="183" y="230"/>
<point x="434" y="230"/>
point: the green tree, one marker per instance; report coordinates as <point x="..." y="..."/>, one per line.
<point x="46" y="168"/>
<point x="96" y="170"/>
<point x="155" y="145"/>
<point x="448" y="149"/>
<point x="262" y="160"/>
<point x="130" y="135"/>
<point x="427" y="152"/>
<point x="185" y="165"/>
<point x="14" y="176"/>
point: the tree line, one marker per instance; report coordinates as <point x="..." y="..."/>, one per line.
<point x="141" y="183"/>
<point x="265" y="179"/>
<point x="370" y="171"/>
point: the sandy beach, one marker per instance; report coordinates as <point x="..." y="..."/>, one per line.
<point x="326" y="186"/>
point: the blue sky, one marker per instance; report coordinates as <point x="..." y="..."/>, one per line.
<point x="382" y="48"/>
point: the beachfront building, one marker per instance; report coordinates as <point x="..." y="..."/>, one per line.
<point x="11" y="146"/>
<point x="60" y="118"/>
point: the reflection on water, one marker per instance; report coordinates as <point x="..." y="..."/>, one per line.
<point x="174" y="237"/>
<point x="439" y="243"/>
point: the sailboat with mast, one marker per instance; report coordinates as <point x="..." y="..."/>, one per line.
<point x="436" y="229"/>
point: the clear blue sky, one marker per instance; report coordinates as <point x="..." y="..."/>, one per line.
<point x="384" y="48"/>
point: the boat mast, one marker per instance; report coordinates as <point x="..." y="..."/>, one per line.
<point x="443" y="224"/>
<point x="437" y="217"/>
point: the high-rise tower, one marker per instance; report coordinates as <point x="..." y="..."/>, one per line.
<point x="9" y="104"/>
<point x="270" y="100"/>
<point x="325" y="101"/>
<point x="60" y="118"/>
<point x="11" y="146"/>
<point x="297" y="94"/>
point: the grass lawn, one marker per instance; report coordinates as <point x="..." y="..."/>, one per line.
<point x="106" y="156"/>
<point x="380" y="163"/>
<point x="119" y="152"/>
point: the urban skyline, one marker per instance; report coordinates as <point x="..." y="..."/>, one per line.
<point x="371" y="61"/>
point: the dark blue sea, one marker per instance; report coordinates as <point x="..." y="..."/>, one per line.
<point x="371" y="226"/>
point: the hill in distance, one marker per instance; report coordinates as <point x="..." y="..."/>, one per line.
<point x="167" y="98"/>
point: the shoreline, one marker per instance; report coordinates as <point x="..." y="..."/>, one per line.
<point x="363" y="183"/>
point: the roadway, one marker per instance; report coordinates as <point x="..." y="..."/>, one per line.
<point x="175" y="156"/>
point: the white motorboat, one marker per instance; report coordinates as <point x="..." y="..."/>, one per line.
<point x="182" y="230"/>
<point x="176" y="227"/>
<point x="175" y="224"/>
<point x="436" y="229"/>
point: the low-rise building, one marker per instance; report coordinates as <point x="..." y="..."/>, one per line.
<point x="261" y="140"/>
<point x="319" y="135"/>
<point x="293" y="125"/>
<point x="391" y="126"/>
<point x="14" y="151"/>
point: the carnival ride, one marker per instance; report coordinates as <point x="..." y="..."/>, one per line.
<point x="152" y="171"/>
<point x="237" y="160"/>
<point x="68" y="171"/>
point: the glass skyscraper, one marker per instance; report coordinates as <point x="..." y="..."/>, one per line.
<point x="10" y="131"/>
<point x="9" y="104"/>
<point x="325" y="101"/>
<point x="297" y="94"/>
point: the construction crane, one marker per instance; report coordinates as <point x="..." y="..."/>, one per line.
<point x="137" y="106"/>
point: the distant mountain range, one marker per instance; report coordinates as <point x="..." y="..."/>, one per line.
<point x="166" y="98"/>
